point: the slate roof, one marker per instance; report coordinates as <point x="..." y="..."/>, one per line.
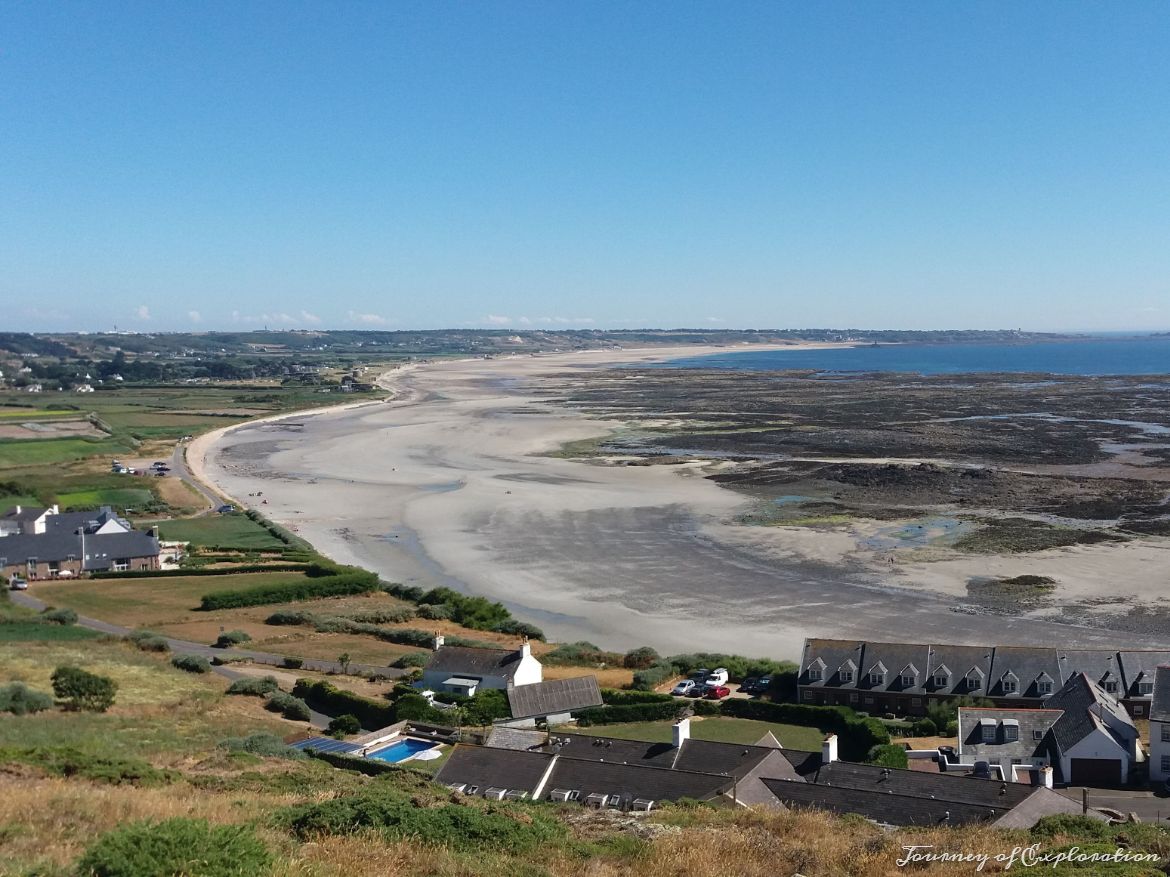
<point x="937" y="786"/>
<point x="1043" y="802"/>
<point x="637" y="781"/>
<point x="1026" y="747"/>
<point x="1097" y="664"/>
<point x="500" y="768"/>
<point x="554" y="696"/>
<point x="834" y="653"/>
<point x="730" y="759"/>
<point x="959" y="660"/>
<point x="1160" y="708"/>
<point x="524" y="739"/>
<point x="472" y="661"/>
<point x="101" y="551"/>
<point x="886" y="807"/>
<point x="22" y="514"/>
<point x="1027" y="664"/>
<point x="1082" y="702"/>
<point x="607" y="749"/>
<point x="1140" y="667"/>
<point x="894" y="657"/>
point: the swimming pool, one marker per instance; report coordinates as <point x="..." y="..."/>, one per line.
<point x="402" y="750"/>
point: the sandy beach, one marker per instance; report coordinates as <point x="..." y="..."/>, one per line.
<point x="450" y="482"/>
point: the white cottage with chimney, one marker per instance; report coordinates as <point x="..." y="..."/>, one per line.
<point x="466" y="670"/>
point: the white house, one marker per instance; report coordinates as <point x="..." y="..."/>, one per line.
<point x="466" y="670"/>
<point x="1160" y="727"/>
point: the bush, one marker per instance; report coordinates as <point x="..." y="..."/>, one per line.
<point x="293" y="663"/>
<point x="389" y="615"/>
<point x="653" y="676"/>
<point x="267" y="745"/>
<point x="190" y="847"/>
<point x="191" y="663"/>
<point x="284" y="617"/>
<point x="925" y="728"/>
<point x="392" y="813"/>
<point x="343" y="726"/>
<point x="411" y="659"/>
<point x="633" y="712"/>
<point x="20" y="700"/>
<point x="435" y="612"/>
<point x="328" y="699"/>
<point x="289" y="706"/>
<point x="232" y="638"/>
<point x="738" y="667"/>
<point x="640" y="658"/>
<point x="614" y="697"/>
<point x="259" y="686"/>
<point x="888" y="755"/>
<point x="410" y="593"/>
<point x="64" y="761"/>
<point x="360" y="582"/>
<point x="59" y="616"/>
<point x="482" y="709"/>
<point x="519" y="628"/>
<point x="153" y="644"/>
<point x="82" y="690"/>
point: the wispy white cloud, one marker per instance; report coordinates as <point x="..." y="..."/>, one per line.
<point x="497" y="320"/>
<point x="195" y="316"/>
<point x="306" y="317"/>
<point x="565" y="321"/>
<point x="142" y="312"/>
<point x="716" y="320"/>
<point x="368" y="319"/>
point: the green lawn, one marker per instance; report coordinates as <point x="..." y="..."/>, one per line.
<point x="34" y="452"/>
<point x="32" y="631"/>
<point x="723" y="730"/>
<point x="221" y="531"/>
<point x="119" y="497"/>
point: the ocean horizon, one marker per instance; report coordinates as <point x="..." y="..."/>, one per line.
<point x="1090" y="357"/>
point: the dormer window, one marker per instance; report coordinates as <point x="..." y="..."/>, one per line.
<point x="942" y="680"/>
<point x="1111" y="686"/>
<point x="987" y="727"/>
<point x="973" y="682"/>
<point x="1145" y="689"/>
<point x="1009" y="684"/>
<point x="814" y="674"/>
<point x="876" y="677"/>
<point x="908" y="681"/>
<point x="1044" y="686"/>
<point x="1011" y="733"/>
<point x="846" y="675"/>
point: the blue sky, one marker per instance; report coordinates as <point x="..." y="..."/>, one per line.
<point x="170" y="165"/>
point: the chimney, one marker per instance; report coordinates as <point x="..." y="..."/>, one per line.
<point x="829" y="749"/>
<point x="525" y="648"/>
<point x="439" y="640"/>
<point x="1046" y="777"/>
<point x="682" y="732"/>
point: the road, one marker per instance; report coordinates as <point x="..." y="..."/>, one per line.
<point x="180" y="470"/>
<point x="186" y="647"/>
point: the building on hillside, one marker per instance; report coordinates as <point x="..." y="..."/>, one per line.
<point x="46" y="543"/>
<point x="553" y="701"/>
<point x="1083" y="733"/>
<point x="1160" y="727"/>
<point x="466" y="670"/>
<point x="905" y="678"/>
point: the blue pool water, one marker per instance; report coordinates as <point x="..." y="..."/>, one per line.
<point x="1091" y="356"/>
<point x="401" y="750"/>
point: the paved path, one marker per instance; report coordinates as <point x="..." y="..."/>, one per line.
<point x="186" y="647"/>
<point x="179" y="468"/>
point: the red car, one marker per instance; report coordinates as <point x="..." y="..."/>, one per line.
<point x="717" y="692"/>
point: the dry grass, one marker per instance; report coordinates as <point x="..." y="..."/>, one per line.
<point x="610" y="677"/>
<point x="178" y="494"/>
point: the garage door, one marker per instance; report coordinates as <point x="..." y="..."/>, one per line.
<point x="1095" y="772"/>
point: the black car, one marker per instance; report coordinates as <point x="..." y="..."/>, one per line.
<point x="748" y="686"/>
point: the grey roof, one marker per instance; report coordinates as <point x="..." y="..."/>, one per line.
<point x="101" y="551"/>
<point x="636" y="781"/>
<point x="58" y="544"/>
<point x="1140" y="667"/>
<point x="553" y="697"/>
<point x="959" y="660"/>
<point x="939" y="786"/>
<point x="1160" y="708"/>
<point x="1027" y="664"/>
<point x="749" y="787"/>
<point x="1084" y="703"/>
<point x="881" y="805"/>
<point x="500" y="768"/>
<point x="892" y="659"/>
<point x="609" y="749"/>
<point x="1098" y="664"/>
<point x="470" y="661"/>
<point x="23" y="513"/>
<point x="1043" y="802"/>
<point x="708" y="756"/>
<point x="1027" y="720"/>
<point x="833" y="653"/>
<point x="524" y="739"/>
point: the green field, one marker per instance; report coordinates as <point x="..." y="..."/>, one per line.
<point x="16" y="453"/>
<point x="221" y="531"/>
<point x="33" y="631"/>
<point x="118" y="497"/>
<point x="743" y="731"/>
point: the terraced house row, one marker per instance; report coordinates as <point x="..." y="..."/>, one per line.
<point x="904" y="678"/>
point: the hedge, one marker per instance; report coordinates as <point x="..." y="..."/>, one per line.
<point x="368" y="766"/>
<point x="311" y="589"/>
<point x="191" y="663"/>
<point x="615" y="697"/>
<point x="856" y="735"/>
<point x="334" y="701"/>
<point x="214" y="571"/>
<point x="632" y="712"/>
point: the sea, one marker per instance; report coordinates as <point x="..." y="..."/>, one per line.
<point x="1091" y="356"/>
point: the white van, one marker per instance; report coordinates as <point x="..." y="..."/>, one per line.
<point x="718" y="676"/>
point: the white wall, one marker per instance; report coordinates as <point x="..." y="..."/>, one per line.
<point x="530" y="671"/>
<point x="1157" y="750"/>
<point x="1098" y="744"/>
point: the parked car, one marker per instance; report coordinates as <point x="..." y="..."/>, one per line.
<point x="748" y="686"/>
<point x="684" y="688"/>
<point x="717" y="692"/>
<point x="16" y="583"/>
<point x="762" y="685"/>
<point x="226" y="509"/>
<point x="718" y="676"/>
<point x="701" y="675"/>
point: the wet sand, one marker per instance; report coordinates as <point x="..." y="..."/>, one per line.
<point x="448" y="483"/>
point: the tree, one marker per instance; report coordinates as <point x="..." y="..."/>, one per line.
<point x="344" y="660"/>
<point x="640" y="658"/>
<point x="82" y="690"/>
<point x="888" y="755"/>
<point x="945" y="712"/>
<point x="343" y="726"/>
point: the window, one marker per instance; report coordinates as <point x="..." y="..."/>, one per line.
<point x="853" y="697"/>
<point x="1145" y="688"/>
<point x="908" y="681"/>
<point x="1044" y="687"/>
<point x="1011" y="733"/>
<point x="916" y="701"/>
<point x="1037" y="734"/>
<point x="1165" y="733"/>
<point x="808" y="695"/>
<point x="988" y="732"/>
<point x="877" y="678"/>
<point x="1139" y="710"/>
<point x="814" y="674"/>
<point x="1111" y="686"/>
<point x="846" y="675"/>
<point x="973" y="683"/>
<point x="1009" y="686"/>
<point x="1166" y="762"/>
<point x="941" y="681"/>
<point x="868" y="699"/>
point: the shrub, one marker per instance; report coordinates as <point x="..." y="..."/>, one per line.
<point x="389" y="615"/>
<point x="267" y="745"/>
<point x="82" y="690"/>
<point x="615" y="697"/>
<point x="191" y="663"/>
<point x="640" y="658"/>
<point x="191" y="847"/>
<point x="392" y="813"/>
<point x="519" y="628"/>
<point x="410" y="593"/>
<point x="153" y="644"/>
<point x="259" y="686"/>
<point x="483" y="708"/>
<point x="632" y="712"/>
<point x="18" y="699"/>
<point x="64" y="761"/>
<point x="411" y="659"/>
<point x="343" y="726"/>
<point x="359" y="582"/>
<point x="285" y="617"/>
<point x="59" y="616"/>
<point x="653" y="676"/>
<point x="925" y="728"/>
<point x="327" y="698"/>
<point x="738" y="667"/>
<point x="1073" y="826"/>
<point x="581" y="654"/>
<point x="293" y="663"/>
<point x="232" y="638"/>
<point x="435" y="612"/>
<point x="289" y="706"/>
<point x="221" y="660"/>
<point x="888" y="755"/>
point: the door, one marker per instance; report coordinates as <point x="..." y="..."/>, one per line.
<point x="1096" y="772"/>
